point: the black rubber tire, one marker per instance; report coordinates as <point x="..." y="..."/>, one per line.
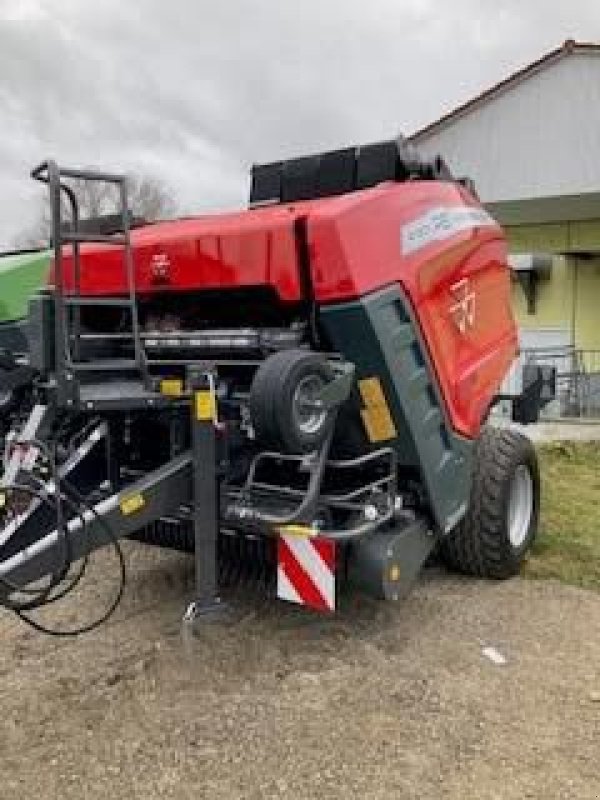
<point x="271" y="401"/>
<point x="261" y="401"/>
<point x="480" y="544"/>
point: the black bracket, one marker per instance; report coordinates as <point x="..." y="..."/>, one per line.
<point x="539" y="389"/>
<point x="335" y="393"/>
<point x="529" y="280"/>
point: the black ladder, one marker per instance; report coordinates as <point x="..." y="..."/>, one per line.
<point x="68" y="305"/>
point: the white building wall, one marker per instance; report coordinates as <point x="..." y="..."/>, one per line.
<point x="537" y="138"/>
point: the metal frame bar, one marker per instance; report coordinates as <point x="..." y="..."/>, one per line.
<point x="348" y="463"/>
<point x="344" y="501"/>
<point x="162" y="492"/>
<point x="130" y="273"/>
<point x="205" y="493"/>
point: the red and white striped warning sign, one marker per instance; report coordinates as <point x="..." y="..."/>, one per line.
<point x="306" y="571"/>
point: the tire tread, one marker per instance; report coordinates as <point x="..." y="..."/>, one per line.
<point x="479" y="545"/>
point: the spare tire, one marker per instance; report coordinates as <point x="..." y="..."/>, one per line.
<point x="282" y="401"/>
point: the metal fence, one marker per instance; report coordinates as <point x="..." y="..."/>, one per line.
<point x="578" y="380"/>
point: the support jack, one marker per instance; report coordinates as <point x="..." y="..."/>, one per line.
<point x="208" y="605"/>
<point x="208" y="611"/>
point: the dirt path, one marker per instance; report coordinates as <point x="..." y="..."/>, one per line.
<point x="379" y="702"/>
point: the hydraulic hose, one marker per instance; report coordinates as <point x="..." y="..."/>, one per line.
<point x="60" y="583"/>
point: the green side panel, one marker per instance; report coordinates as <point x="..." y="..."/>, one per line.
<point x="380" y="336"/>
<point x="21" y="276"/>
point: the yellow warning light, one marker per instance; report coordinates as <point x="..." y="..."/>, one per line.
<point x="394" y="573"/>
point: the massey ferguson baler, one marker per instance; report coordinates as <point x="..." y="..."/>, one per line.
<point x="298" y="390"/>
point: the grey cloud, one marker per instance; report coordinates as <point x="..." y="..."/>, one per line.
<point x="196" y="91"/>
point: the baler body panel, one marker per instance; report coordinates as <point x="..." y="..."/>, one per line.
<point x="456" y="279"/>
<point x="431" y="238"/>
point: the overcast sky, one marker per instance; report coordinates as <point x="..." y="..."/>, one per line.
<point x="194" y="91"/>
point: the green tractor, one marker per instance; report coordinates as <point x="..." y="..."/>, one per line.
<point x="22" y="273"/>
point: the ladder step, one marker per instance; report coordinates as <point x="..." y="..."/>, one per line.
<point x="91" y="175"/>
<point x="104" y="364"/>
<point x="79" y="237"/>
<point x="120" y="394"/>
<point x="111" y="302"/>
<point x="95" y="337"/>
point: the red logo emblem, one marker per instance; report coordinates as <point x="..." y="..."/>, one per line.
<point x="160" y="268"/>
<point x="463" y="310"/>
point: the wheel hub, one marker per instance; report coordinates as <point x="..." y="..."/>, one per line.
<point x="308" y="417"/>
<point x="520" y="506"/>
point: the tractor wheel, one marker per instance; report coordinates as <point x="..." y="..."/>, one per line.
<point x="501" y="523"/>
<point x="281" y="398"/>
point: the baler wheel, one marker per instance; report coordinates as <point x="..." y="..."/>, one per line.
<point x="281" y="401"/>
<point x="501" y="523"/>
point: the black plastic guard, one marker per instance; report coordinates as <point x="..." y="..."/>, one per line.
<point x="380" y="336"/>
<point x="13" y="336"/>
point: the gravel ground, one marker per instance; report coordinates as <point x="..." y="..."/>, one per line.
<point x="380" y="701"/>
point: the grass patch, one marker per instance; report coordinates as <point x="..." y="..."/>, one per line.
<point x="568" y="543"/>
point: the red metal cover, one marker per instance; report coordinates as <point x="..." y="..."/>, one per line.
<point x="212" y="252"/>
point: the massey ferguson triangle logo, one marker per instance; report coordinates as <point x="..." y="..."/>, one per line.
<point x="160" y="268"/>
<point x="463" y="310"/>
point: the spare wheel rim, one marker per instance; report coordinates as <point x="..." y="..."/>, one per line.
<point x="520" y="506"/>
<point x="307" y="417"/>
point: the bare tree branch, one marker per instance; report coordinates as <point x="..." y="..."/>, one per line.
<point x="150" y="199"/>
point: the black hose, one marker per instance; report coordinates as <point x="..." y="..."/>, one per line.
<point x="46" y="595"/>
<point x="42" y="595"/>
